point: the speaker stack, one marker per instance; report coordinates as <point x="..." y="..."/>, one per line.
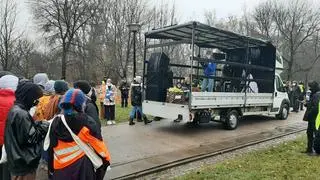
<point x="159" y="78"/>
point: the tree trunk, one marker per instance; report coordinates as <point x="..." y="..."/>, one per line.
<point x="290" y="63"/>
<point x="64" y="62"/>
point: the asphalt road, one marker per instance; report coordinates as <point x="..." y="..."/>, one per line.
<point x="128" y="144"/>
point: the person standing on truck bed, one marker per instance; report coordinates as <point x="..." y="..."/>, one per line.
<point x="209" y="70"/>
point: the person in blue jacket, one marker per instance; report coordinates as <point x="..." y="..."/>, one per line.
<point x="209" y="70"/>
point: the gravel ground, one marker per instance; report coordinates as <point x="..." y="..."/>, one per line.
<point x="183" y="169"/>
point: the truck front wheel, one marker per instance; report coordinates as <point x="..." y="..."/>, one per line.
<point x="232" y="120"/>
<point x="284" y="112"/>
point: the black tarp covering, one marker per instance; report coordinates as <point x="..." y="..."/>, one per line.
<point x="260" y="56"/>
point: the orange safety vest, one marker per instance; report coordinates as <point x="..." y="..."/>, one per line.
<point x="102" y="94"/>
<point x="66" y="153"/>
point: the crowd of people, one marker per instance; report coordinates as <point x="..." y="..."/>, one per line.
<point x="297" y="95"/>
<point x="48" y="123"/>
<point x="107" y="98"/>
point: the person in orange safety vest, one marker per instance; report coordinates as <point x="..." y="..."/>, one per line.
<point x="66" y="158"/>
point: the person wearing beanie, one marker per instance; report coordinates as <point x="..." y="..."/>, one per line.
<point x="109" y="103"/>
<point x="48" y="91"/>
<point x="66" y="158"/>
<point x="52" y="108"/>
<point x="23" y="136"/>
<point x="91" y="108"/>
<point x="8" y="85"/>
<point x="310" y="116"/>
<point x="40" y="79"/>
<point x="136" y="101"/>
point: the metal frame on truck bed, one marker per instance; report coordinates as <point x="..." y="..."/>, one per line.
<point x="239" y="55"/>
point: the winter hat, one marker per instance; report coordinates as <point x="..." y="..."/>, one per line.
<point x="83" y="85"/>
<point x="314" y="86"/>
<point x="27" y="93"/>
<point x="40" y="79"/>
<point x="9" y="81"/>
<point x="73" y="98"/>
<point x="49" y="86"/>
<point x="60" y="87"/>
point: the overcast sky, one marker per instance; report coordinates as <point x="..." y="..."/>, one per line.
<point x="187" y="10"/>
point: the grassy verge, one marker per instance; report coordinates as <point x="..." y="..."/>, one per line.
<point x="281" y="162"/>
<point x="122" y="114"/>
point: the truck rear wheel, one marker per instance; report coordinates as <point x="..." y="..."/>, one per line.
<point x="284" y="112"/>
<point x="232" y="120"/>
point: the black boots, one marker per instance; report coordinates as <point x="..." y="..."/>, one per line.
<point x="145" y="119"/>
<point x="131" y="122"/>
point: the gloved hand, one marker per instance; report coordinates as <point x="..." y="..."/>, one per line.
<point x="43" y="127"/>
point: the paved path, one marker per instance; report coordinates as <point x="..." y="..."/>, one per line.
<point x="141" y="143"/>
<point x="129" y="144"/>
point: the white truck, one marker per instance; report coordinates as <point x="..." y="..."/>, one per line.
<point x="227" y="105"/>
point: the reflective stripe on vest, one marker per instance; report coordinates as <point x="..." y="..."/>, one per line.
<point x="301" y="87"/>
<point x="69" y="157"/>
<point x="318" y="118"/>
<point x="66" y="150"/>
<point x="66" y="153"/>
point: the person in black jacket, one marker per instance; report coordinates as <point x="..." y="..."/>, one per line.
<point x="91" y="108"/>
<point x="311" y="114"/>
<point x="136" y="101"/>
<point x="23" y="135"/>
<point x="296" y="92"/>
<point x="124" y="93"/>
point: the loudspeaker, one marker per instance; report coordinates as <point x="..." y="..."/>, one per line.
<point x="158" y="77"/>
<point x="158" y="62"/>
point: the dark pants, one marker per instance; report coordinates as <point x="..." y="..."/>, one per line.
<point x="310" y="135"/>
<point x="124" y="101"/>
<point x="109" y="112"/>
<point x="295" y="104"/>
<point x="4" y="171"/>
<point x="301" y="103"/>
<point x="102" y="110"/>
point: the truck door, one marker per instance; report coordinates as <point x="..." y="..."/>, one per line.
<point x="280" y="93"/>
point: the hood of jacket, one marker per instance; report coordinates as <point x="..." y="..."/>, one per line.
<point x="314" y="87"/>
<point x="9" y="82"/>
<point x="27" y="93"/>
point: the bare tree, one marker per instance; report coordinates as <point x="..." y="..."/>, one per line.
<point x="263" y="16"/>
<point x="24" y="51"/>
<point x="62" y="19"/>
<point x="210" y="17"/>
<point x="311" y="55"/>
<point x="296" y="21"/>
<point x="8" y="13"/>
